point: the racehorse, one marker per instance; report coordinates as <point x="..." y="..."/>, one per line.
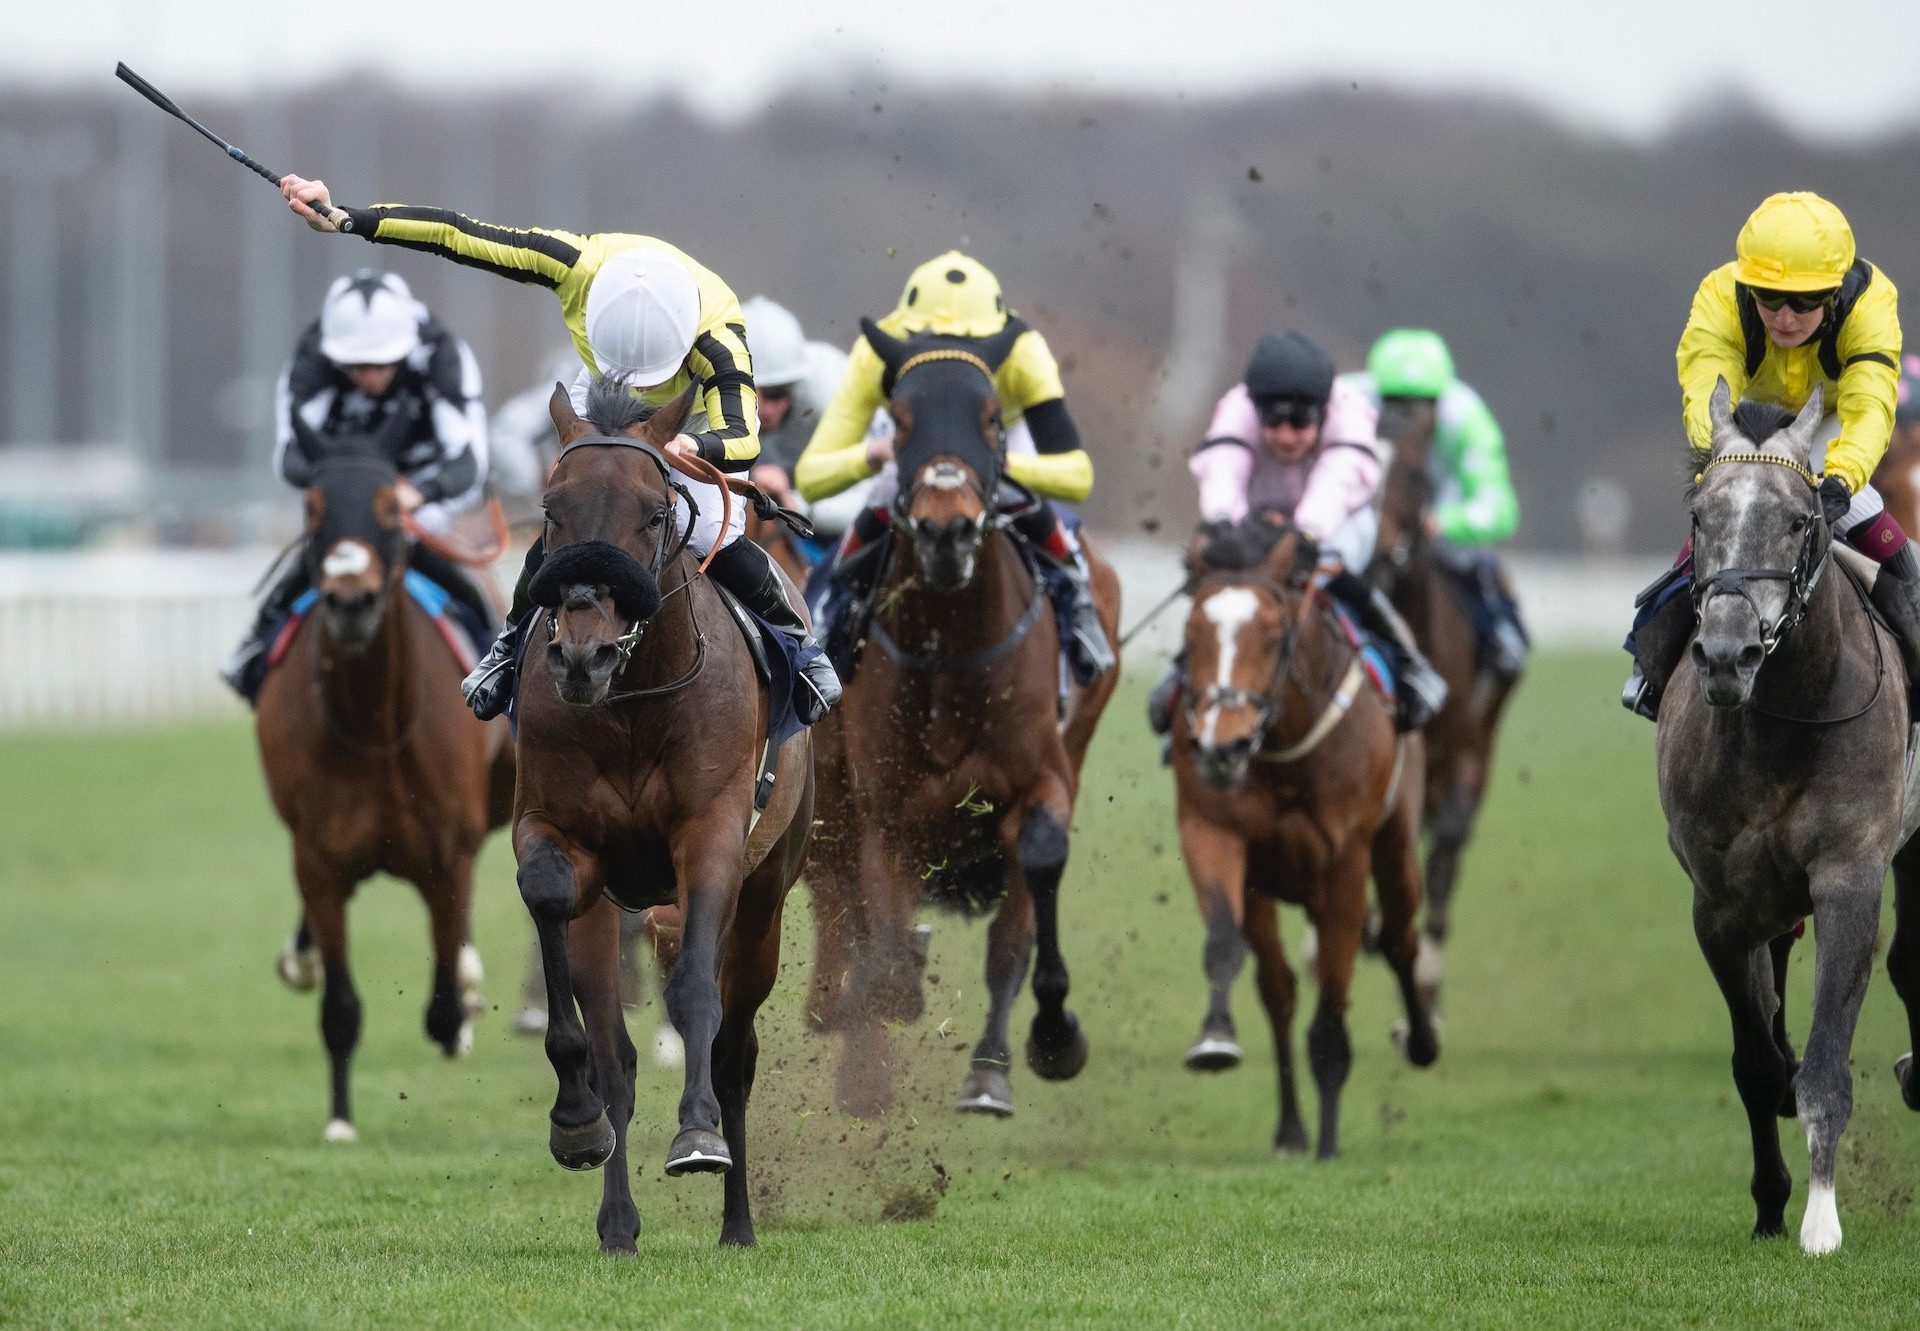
<point x="371" y="759"/>
<point x="1459" y="739"/>
<point x="1897" y="478"/>
<point x="642" y="732"/>
<point x="948" y="770"/>
<point x="1292" y="786"/>
<point x="1781" y="774"/>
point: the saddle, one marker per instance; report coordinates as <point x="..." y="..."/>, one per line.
<point x="467" y="636"/>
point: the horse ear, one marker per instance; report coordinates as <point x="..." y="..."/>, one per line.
<point x="1800" y="434"/>
<point x="566" y="421"/>
<point x="890" y="349"/>
<point x="1720" y="413"/>
<point x="995" y="350"/>
<point x="668" y="421"/>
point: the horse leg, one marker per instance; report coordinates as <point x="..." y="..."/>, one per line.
<point x="1056" y="1047"/>
<point x="987" y="1089"/>
<point x="834" y="926"/>
<point x="752" y="964"/>
<point x="1903" y="961"/>
<point x="1341" y="919"/>
<point x="1780" y="949"/>
<point x="449" y="896"/>
<point x="1217" y="865"/>
<point x="659" y="930"/>
<point x="579" y="1134"/>
<point x="706" y="862"/>
<point x="298" y="964"/>
<point x="1846" y="917"/>
<point x="323" y="895"/>
<point x="1745" y="977"/>
<point x="1396" y="878"/>
<point x="883" y="901"/>
<point x="593" y="960"/>
<point x="1278" y="991"/>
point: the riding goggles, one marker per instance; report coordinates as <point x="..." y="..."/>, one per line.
<point x="1800" y="302"/>
<point x="1297" y="412"/>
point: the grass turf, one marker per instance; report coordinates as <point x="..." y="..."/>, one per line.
<point x="1577" y="1156"/>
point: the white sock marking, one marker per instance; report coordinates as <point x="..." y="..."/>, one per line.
<point x="1820" y="1230"/>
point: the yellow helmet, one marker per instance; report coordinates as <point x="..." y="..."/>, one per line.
<point x="954" y="295"/>
<point x="1794" y="242"/>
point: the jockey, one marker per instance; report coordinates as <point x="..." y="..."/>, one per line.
<point x="1797" y="309"/>
<point x="375" y="353"/>
<point x="639" y="308"/>
<point x="1474" y="507"/>
<point x="797" y="378"/>
<point x="1294" y="440"/>
<point x="955" y="295"/>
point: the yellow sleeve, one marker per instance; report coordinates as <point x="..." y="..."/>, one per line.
<point x="536" y="254"/>
<point x="1712" y="348"/>
<point x="1029" y="376"/>
<point x="1067" y="476"/>
<point x="723" y="366"/>
<point x="836" y="457"/>
<point x="1869" y="387"/>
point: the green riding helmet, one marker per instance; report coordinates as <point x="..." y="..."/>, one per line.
<point x="1410" y="362"/>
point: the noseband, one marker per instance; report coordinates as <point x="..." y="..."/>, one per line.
<point x="1801" y="579"/>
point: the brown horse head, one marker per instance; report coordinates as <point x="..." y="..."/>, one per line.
<point x="609" y="533"/>
<point x="1406" y="494"/>
<point x="948" y="447"/>
<point x="356" y="548"/>
<point x="1240" y="639"/>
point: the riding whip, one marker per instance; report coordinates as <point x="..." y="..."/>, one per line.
<point x="1154" y="613"/>
<point x="335" y="215"/>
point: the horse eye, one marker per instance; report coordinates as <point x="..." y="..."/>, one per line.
<point x="658" y="517"/>
<point x="1798" y="525"/>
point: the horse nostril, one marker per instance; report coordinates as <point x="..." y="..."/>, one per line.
<point x="1750" y="656"/>
<point x="1699" y="654"/>
<point x="603" y="656"/>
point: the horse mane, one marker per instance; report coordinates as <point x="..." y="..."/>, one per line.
<point x="1757" y="421"/>
<point x="612" y="406"/>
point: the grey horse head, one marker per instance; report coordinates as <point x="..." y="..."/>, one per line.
<point x="1758" y="540"/>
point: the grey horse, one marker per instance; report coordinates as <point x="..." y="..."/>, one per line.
<point x="1781" y="760"/>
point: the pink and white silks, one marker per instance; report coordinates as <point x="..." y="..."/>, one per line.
<point x="1329" y="492"/>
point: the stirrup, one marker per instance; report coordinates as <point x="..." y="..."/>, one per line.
<point x="1638" y="696"/>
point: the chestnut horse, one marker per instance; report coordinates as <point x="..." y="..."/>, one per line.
<point x="371" y="759"/>
<point x="948" y="770"/>
<point x="1897" y="478"/>
<point x="1459" y="739"/>
<point x="1291" y="786"/>
<point x="642" y="727"/>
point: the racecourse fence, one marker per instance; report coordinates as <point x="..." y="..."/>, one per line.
<point x="115" y="637"/>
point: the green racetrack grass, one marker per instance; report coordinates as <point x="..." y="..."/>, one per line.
<point x="1578" y="1155"/>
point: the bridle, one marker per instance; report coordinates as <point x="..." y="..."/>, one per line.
<point x="1268" y="700"/>
<point x="1801" y="579"/>
<point x="950" y="475"/>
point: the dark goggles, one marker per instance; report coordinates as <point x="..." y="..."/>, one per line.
<point x="1297" y="412"/>
<point x="775" y="394"/>
<point x="1800" y="302"/>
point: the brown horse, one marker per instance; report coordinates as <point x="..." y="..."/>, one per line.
<point x="948" y="769"/>
<point x="642" y="727"/>
<point x="1897" y="478"/>
<point x="1290" y="782"/>
<point x="1459" y="739"/>
<point x="371" y="759"/>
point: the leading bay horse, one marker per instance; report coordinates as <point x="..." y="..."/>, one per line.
<point x="948" y="770"/>
<point x="1459" y="739"/>
<point x="642" y="728"/>
<point x="1781" y="769"/>
<point x="1292" y="786"/>
<point x="371" y="759"/>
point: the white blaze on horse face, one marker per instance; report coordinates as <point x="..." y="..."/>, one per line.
<point x="1229" y="611"/>
<point x="346" y="560"/>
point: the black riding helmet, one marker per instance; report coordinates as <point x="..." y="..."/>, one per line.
<point x="1289" y="366"/>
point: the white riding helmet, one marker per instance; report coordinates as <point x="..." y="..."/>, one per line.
<point x="370" y="318"/>
<point x="779" y="347"/>
<point x="643" y="310"/>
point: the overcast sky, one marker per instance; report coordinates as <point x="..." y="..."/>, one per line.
<point x="1833" y="69"/>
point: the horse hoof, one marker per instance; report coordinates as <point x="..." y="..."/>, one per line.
<point x="1309" y="950"/>
<point x="1291" y="1139"/>
<point x="1213" y="1053"/>
<point x="462" y="1041"/>
<point x="585" y="1147"/>
<point x="1056" y="1049"/>
<point x="530" y="1021"/>
<point x="1820" y="1228"/>
<point x="986" y="1091"/>
<point x="298" y="967"/>
<point x="669" y="1050"/>
<point x="698" y="1151"/>
<point x="1909" y="1083"/>
<point x="340" y="1131"/>
<point x="1421" y="1052"/>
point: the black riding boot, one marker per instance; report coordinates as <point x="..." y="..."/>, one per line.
<point x="849" y="585"/>
<point x="488" y="688"/>
<point x="1421" y="692"/>
<point x="1069" y="587"/>
<point x="1165" y="694"/>
<point x="746" y="570"/>
<point x="246" y="670"/>
<point x="1896" y="595"/>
